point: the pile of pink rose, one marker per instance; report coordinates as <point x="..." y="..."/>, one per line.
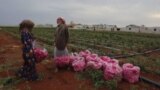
<point x="40" y="54"/>
<point x="85" y="59"/>
<point x="39" y="51"/>
<point x="110" y="67"/>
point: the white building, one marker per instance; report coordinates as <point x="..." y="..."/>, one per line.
<point x="131" y="28"/>
<point x="78" y="26"/>
<point x="155" y="30"/>
<point x="111" y="27"/>
<point x="128" y="28"/>
<point x="45" y="25"/>
<point x="141" y="29"/>
<point x="103" y="27"/>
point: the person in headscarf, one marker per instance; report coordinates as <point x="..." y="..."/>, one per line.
<point x="28" y="70"/>
<point x="61" y="38"/>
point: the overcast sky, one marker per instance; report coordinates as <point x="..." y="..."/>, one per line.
<point x="117" y="12"/>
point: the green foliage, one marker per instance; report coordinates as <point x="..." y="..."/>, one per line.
<point x="97" y="78"/>
<point x="9" y="83"/>
<point x="111" y="84"/>
<point x="121" y="40"/>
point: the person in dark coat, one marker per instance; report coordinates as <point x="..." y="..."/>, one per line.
<point x="61" y="38"/>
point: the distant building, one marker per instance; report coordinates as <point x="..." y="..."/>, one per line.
<point x="111" y="27"/>
<point x="97" y="27"/>
<point x="131" y="28"/>
<point x="105" y="27"/>
<point x="141" y="29"/>
<point x="155" y="30"/>
<point x="46" y="25"/>
<point x="78" y="26"/>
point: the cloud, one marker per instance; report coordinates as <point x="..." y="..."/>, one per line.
<point x="119" y="12"/>
<point x="155" y="15"/>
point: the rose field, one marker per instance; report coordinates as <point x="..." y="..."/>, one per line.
<point x="140" y="49"/>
